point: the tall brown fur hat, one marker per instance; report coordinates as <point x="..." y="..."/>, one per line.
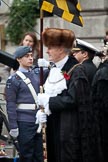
<point x="58" y="37"/>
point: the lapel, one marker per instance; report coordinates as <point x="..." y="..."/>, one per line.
<point x="69" y="64"/>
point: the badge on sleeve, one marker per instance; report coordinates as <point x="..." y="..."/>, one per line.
<point x="8" y="84"/>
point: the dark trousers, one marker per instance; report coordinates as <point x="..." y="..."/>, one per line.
<point x="30" y="143"/>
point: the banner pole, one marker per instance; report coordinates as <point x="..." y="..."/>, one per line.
<point x="41" y="86"/>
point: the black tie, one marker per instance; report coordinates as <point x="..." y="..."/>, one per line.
<point x="52" y="64"/>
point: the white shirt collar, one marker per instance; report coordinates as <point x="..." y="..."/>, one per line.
<point x="61" y="63"/>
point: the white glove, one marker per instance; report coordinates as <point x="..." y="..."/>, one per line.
<point x="43" y="99"/>
<point x="14" y="132"/>
<point x="43" y="63"/>
<point x="41" y="117"/>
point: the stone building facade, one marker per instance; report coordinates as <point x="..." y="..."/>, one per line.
<point x="94" y="13"/>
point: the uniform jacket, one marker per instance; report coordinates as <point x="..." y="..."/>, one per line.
<point x="17" y="92"/>
<point x="90" y="69"/>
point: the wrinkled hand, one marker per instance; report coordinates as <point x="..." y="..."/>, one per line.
<point x="43" y="99"/>
<point x="43" y="63"/>
<point x="14" y="132"/>
<point x="41" y="117"/>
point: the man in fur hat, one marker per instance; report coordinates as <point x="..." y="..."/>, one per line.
<point x="66" y="102"/>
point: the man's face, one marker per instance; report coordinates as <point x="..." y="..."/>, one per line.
<point x="55" y="53"/>
<point x="26" y="61"/>
<point x="79" y="55"/>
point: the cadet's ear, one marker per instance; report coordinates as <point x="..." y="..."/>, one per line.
<point x="18" y="59"/>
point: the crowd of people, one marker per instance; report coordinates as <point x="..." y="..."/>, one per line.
<point x="73" y="104"/>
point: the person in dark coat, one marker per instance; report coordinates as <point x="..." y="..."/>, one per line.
<point x="66" y="101"/>
<point x="100" y="103"/>
<point x="84" y="52"/>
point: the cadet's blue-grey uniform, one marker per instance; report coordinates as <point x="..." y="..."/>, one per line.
<point x="17" y="92"/>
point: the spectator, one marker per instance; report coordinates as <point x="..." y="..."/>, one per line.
<point x="30" y="39"/>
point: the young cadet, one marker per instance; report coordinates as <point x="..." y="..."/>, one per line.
<point x="22" y="107"/>
<point x="66" y="101"/>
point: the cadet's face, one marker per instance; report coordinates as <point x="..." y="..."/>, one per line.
<point x="54" y="53"/>
<point x="28" y="41"/>
<point x="26" y="61"/>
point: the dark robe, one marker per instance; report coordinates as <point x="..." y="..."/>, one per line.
<point x="100" y="104"/>
<point x="70" y="136"/>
